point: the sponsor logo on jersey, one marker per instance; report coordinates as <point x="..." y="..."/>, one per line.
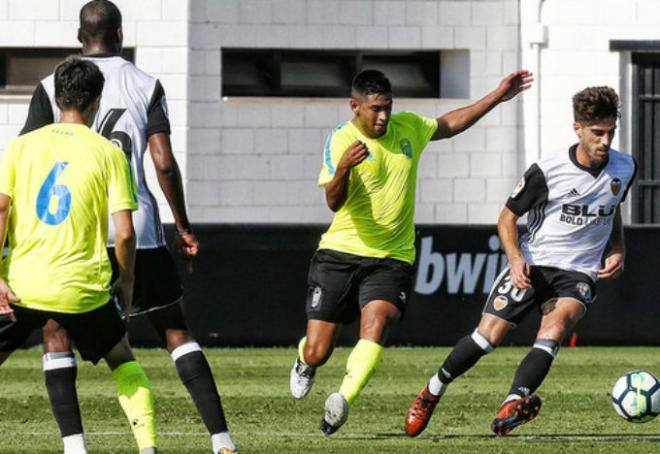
<point x="406" y="148"/>
<point x="316" y="297"/>
<point x="579" y="214"/>
<point x="500" y="302"/>
<point x="584" y="290"/>
<point x="615" y="185"/>
<point x="519" y="187"/>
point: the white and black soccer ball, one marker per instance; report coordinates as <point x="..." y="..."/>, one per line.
<point x="636" y="396"/>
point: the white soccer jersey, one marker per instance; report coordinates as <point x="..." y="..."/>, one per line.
<point x="570" y="209"/>
<point x="133" y="106"/>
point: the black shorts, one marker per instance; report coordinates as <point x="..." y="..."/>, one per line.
<point x="94" y="333"/>
<point x="157" y="284"/>
<point x="512" y="304"/>
<point x="340" y="285"/>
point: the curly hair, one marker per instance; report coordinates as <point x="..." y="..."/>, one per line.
<point x="370" y="82"/>
<point x="594" y="104"/>
<point x="78" y="83"/>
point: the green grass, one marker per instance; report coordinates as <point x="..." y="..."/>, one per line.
<point x="577" y="416"/>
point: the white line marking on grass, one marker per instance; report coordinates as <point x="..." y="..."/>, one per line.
<point x="382" y="436"/>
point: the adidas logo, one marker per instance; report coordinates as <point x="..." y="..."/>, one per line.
<point x="572" y="193"/>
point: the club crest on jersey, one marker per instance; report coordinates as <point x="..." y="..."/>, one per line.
<point x="500" y="302"/>
<point x="519" y="187"/>
<point x="584" y="290"/>
<point x="615" y="185"/>
<point x="406" y="148"/>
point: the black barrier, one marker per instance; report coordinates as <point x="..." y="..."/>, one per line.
<point x="248" y="287"/>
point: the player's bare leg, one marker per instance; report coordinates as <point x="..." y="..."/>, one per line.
<point x="313" y="351"/>
<point x="375" y="321"/>
<point x="465" y="354"/>
<point x="60" y="372"/>
<point x="195" y="373"/>
<point x="521" y="405"/>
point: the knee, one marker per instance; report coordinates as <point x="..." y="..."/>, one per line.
<point x="316" y="354"/>
<point x="56" y="338"/>
<point x="176" y="338"/>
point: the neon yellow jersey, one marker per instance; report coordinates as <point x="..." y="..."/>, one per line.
<point x="62" y="180"/>
<point x="377" y="218"/>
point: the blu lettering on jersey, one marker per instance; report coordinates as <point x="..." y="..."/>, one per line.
<point x="577" y="214"/>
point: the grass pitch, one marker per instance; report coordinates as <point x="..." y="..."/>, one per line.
<point x="577" y="416"/>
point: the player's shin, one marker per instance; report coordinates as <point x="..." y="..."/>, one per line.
<point x="195" y="373"/>
<point x="136" y="399"/>
<point x="60" y="371"/>
<point x="466" y="353"/>
<point x="360" y="366"/>
<point x="533" y="368"/>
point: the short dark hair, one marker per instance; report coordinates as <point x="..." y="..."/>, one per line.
<point x="78" y="83"/>
<point x="99" y="20"/>
<point x="370" y="82"/>
<point x="594" y="104"/>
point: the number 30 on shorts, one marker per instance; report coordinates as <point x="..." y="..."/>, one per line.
<point x="516" y="294"/>
<point x="50" y="189"/>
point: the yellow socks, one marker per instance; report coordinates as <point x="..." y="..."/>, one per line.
<point x="361" y="365"/>
<point x="135" y="398"/>
<point x="301" y="349"/>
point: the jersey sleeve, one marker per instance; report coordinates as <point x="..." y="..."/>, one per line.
<point x="122" y="189"/>
<point x="530" y="191"/>
<point x="426" y="127"/>
<point x="631" y="181"/>
<point x="334" y="148"/>
<point x="8" y="171"/>
<point x="157" y="114"/>
<point x="40" y="112"/>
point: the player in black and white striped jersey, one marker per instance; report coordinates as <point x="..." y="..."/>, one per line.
<point x="572" y="201"/>
<point x="133" y="114"/>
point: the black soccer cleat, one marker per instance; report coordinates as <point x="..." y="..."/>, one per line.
<point x="514" y="413"/>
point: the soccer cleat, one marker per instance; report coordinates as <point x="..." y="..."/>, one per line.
<point x="227" y="451"/>
<point x="514" y="413"/>
<point x="302" y="379"/>
<point x="420" y="412"/>
<point x="336" y="414"/>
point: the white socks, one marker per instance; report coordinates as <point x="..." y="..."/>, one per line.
<point x="222" y="440"/>
<point x="436" y="387"/>
<point x="74" y="444"/>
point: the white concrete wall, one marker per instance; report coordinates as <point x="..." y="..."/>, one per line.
<point x="257" y="160"/>
<point x="158" y="29"/>
<point x="577" y="55"/>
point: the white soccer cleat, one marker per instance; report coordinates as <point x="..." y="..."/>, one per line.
<point x="336" y="414"/>
<point x="302" y="379"/>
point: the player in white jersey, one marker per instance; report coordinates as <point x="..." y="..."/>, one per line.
<point x="133" y="114"/>
<point x="572" y="200"/>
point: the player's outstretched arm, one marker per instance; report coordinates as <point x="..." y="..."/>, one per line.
<point x="616" y="257"/>
<point x="508" y="230"/>
<point x="6" y="294"/>
<point x="125" y="252"/>
<point x="169" y="179"/>
<point x="336" y="191"/>
<point x="459" y="120"/>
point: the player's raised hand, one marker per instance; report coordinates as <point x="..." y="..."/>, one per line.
<point x="514" y="83"/>
<point x="519" y="273"/>
<point x="613" y="266"/>
<point x="354" y="155"/>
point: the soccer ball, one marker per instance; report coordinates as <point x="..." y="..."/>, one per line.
<point x="636" y="396"/>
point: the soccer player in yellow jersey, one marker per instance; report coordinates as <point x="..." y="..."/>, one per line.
<point x="363" y="266"/>
<point x="57" y="185"/>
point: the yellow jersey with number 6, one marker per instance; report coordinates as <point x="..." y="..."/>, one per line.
<point x="376" y="219"/>
<point x="62" y="180"/>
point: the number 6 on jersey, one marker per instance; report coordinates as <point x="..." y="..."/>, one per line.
<point x="49" y="190"/>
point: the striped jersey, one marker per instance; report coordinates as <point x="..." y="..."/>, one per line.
<point x="570" y="209"/>
<point x="133" y="107"/>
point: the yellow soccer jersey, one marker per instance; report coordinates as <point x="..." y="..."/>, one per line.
<point x="377" y="218"/>
<point x="62" y="180"/>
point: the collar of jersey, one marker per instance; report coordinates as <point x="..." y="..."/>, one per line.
<point x="594" y="171"/>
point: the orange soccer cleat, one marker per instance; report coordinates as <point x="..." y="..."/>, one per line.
<point x="514" y="413"/>
<point x="420" y="412"/>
